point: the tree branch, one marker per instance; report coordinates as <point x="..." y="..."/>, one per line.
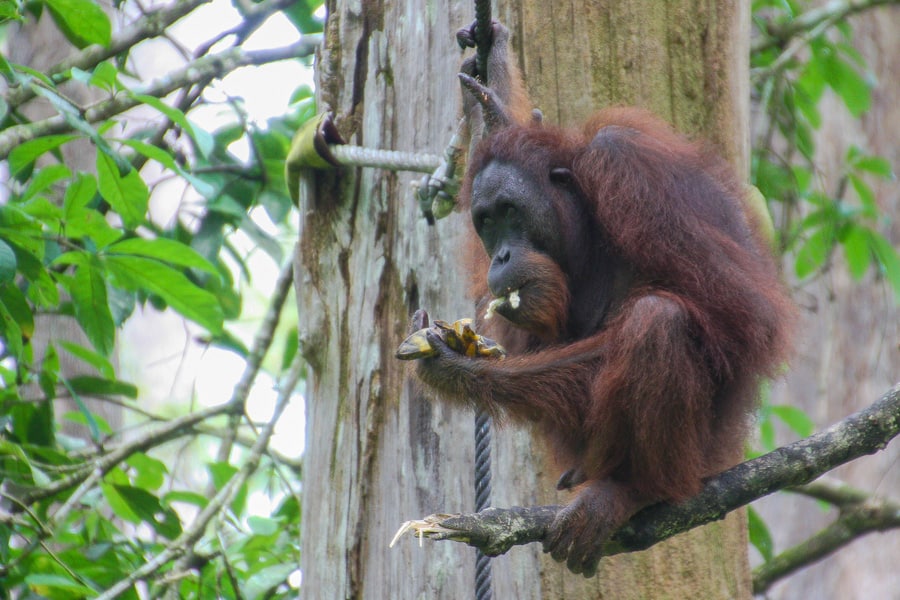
<point x="148" y="26"/>
<point x="184" y="544"/>
<point x="261" y="345"/>
<point x="859" y="514"/>
<point x="208" y="67"/>
<point x="494" y="531"/>
<point x="779" y="34"/>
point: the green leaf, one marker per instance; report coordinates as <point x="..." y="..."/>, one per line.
<point x="150" y="473"/>
<point x="148" y="507"/>
<point x="261" y="583"/>
<point x="767" y="435"/>
<point x="19" y="229"/>
<point x="262" y="239"/>
<point x="849" y="85"/>
<point x="73" y="116"/>
<point x="128" y="194"/>
<point x="813" y="253"/>
<point x="42" y="77"/>
<point x="99" y="362"/>
<point x="773" y="180"/>
<point x="165" y="250"/>
<point x="793" y="417"/>
<point x="88" y="223"/>
<point x="8" y="263"/>
<point x="15" y="452"/>
<point x="291" y="346"/>
<point x="229" y="341"/>
<point x="9" y="12"/>
<point x="856" y="251"/>
<point x="203" y="139"/>
<point x="168" y="161"/>
<point x="89" y="420"/>
<point x="193" y="498"/>
<point x="45" y="178"/>
<point x="302" y="15"/>
<point x="27" y="152"/>
<point x="42" y="289"/>
<point x="83" y="22"/>
<point x="88" y="289"/>
<point x="10" y="332"/>
<point x="221" y="474"/>
<point x="38" y="581"/>
<point x="759" y="534"/>
<point x="79" y="193"/>
<point x="192" y="302"/>
<point x="121" y="304"/>
<point x="98" y="386"/>
<point x="876" y="165"/>
<point x="887" y="256"/>
<point x="48" y="377"/>
<point x="866" y="195"/>
<point x="263" y="525"/>
<point x="119" y="504"/>
<point x="105" y="76"/>
<point x="18" y="308"/>
<point x="805" y="141"/>
<point x="811" y="82"/>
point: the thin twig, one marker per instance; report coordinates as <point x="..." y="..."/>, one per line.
<point x="192" y="534"/>
<point x="788" y="55"/>
<point x="149" y="26"/>
<point x="87" y="477"/>
<point x="261" y="345"/>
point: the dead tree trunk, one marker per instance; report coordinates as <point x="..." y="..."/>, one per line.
<point x="378" y="452"/>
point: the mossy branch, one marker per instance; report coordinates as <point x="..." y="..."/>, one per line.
<point x="859" y="513"/>
<point x="494" y="531"/>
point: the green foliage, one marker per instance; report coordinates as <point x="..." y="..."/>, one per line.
<point x="817" y="222"/>
<point x="80" y="514"/>
<point x="759" y="534"/>
<point x="824" y="222"/>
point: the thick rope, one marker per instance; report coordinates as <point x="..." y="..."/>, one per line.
<point x="483" y="589"/>
<point x="482" y="37"/>
<point x="482" y="498"/>
<point x="394" y="160"/>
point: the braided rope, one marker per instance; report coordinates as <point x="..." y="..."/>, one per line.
<point x="482" y="498"/>
<point x="482" y="37"/>
<point x="482" y="420"/>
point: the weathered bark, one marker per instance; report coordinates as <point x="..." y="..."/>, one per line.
<point x="378" y="452"/>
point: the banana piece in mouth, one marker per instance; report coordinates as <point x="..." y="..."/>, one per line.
<point x="513" y="299"/>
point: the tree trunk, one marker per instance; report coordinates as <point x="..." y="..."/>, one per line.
<point x="379" y="452"/>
